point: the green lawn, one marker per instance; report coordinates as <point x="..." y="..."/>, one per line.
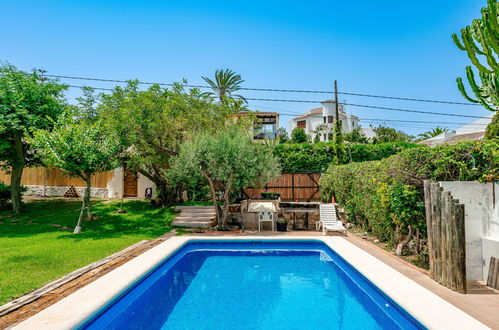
<point x="33" y="253"/>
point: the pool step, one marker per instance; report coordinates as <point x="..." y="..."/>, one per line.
<point x="195" y="216"/>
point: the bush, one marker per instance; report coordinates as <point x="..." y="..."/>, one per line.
<point x="385" y="197"/>
<point x="316" y="157"/>
<point x="5" y="195"/>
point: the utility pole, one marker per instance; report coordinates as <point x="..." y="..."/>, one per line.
<point x="336" y="106"/>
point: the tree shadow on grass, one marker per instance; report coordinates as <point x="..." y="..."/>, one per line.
<point x="48" y="216"/>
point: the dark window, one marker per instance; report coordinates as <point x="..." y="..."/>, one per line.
<point x="330" y="119"/>
<point x="301" y="124"/>
<point x="330" y="136"/>
<point x="324" y="120"/>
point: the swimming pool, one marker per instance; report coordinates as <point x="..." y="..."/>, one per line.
<point x="241" y="284"/>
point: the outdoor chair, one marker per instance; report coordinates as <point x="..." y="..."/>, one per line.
<point x="328" y="220"/>
<point x="266" y="216"/>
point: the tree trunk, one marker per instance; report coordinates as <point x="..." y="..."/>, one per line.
<point x="402" y="244"/>
<point x="226" y="197"/>
<point x="17" y="171"/>
<point x="213" y="192"/>
<point x="85" y="206"/>
<point x="168" y="195"/>
<point x="87" y="197"/>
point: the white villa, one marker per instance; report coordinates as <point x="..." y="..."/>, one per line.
<point x="320" y="121"/>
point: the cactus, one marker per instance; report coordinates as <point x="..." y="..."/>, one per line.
<point x="481" y="42"/>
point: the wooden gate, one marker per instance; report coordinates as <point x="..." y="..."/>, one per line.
<point x="130" y="184"/>
<point x="303" y="187"/>
<point x="446" y="238"/>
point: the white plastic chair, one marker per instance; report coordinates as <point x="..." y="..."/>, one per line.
<point x="266" y="216"/>
<point x="328" y="220"/>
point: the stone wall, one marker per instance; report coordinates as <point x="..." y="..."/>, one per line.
<point x="59" y="191"/>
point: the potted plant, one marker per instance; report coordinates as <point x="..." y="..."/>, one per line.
<point x="282" y="225"/>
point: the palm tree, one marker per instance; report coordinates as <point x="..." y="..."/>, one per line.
<point x="434" y="132"/>
<point x="226" y="83"/>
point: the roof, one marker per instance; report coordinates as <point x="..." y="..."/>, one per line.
<point x="257" y="114"/>
<point x="454" y="138"/>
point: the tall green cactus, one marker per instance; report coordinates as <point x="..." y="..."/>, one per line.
<point x="481" y="42"/>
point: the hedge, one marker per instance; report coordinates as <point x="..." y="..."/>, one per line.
<point x="385" y="197"/>
<point x="316" y="157"/>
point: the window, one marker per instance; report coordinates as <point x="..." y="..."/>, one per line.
<point x="330" y="119"/>
<point x="301" y="124"/>
<point x="353" y="124"/>
<point x="325" y="137"/>
<point x="330" y="136"/>
<point x="324" y="120"/>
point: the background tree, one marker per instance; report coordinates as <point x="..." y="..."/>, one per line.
<point x="229" y="160"/>
<point x="480" y="41"/>
<point x="282" y="134"/>
<point x="298" y="135"/>
<point x="432" y="133"/>
<point x="152" y="124"/>
<point x="356" y="136"/>
<point x="338" y="148"/>
<point x="26" y="101"/>
<point x="225" y="84"/>
<point x="81" y="148"/>
<point x="389" y="134"/>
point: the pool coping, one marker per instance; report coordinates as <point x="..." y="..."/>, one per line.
<point x="425" y="306"/>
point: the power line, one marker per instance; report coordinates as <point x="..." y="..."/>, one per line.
<point x="349" y="104"/>
<point x="273" y="90"/>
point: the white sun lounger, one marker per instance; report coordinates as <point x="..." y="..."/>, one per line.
<point x="328" y="220"/>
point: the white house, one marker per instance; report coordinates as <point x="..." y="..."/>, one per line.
<point x="473" y="131"/>
<point x="320" y="121"/>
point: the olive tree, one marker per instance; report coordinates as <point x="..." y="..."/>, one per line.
<point x="27" y="101"/>
<point x="81" y="148"/>
<point x="229" y="159"/>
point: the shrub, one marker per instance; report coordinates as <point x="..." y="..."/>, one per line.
<point x="5" y="195"/>
<point x="385" y="197"/>
<point x="316" y="157"/>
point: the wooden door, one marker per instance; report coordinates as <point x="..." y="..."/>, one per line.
<point x="130" y="184"/>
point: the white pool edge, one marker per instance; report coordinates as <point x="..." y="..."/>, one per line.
<point x="425" y="306"/>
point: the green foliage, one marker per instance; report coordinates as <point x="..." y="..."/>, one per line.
<point x="492" y="131"/>
<point x="225" y="84"/>
<point x="80" y="148"/>
<point x="152" y="124"/>
<point x="229" y="159"/>
<point x="432" y="133"/>
<point x="307" y="157"/>
<point x="338" y="149"/>
<point x="27" y="101"/>
<point x="384" y="197"/>
<point x="282" y="135"/>
<point x="356" y="136"/>
<point x="389" y="134"/>
<point x="480" y="40"/>
<point x="4" y="195"/>
<point x="298" y="135"/>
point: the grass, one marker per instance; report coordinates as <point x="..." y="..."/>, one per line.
<point x="33" y="251"/>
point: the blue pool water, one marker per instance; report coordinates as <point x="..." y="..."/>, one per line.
<point x="252" y="285"/>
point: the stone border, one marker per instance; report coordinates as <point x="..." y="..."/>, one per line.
<point x="429" y="309"/>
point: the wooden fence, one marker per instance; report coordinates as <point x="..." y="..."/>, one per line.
<point x="446" y="239"/>
<point x="44" y="176"/>
<point x="291" y="186"/>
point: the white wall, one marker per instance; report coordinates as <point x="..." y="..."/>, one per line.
<point x="481" y="206"/>
<point x="115" y="186"/>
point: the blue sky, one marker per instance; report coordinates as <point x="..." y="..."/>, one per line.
<point x="397" y="48"/>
